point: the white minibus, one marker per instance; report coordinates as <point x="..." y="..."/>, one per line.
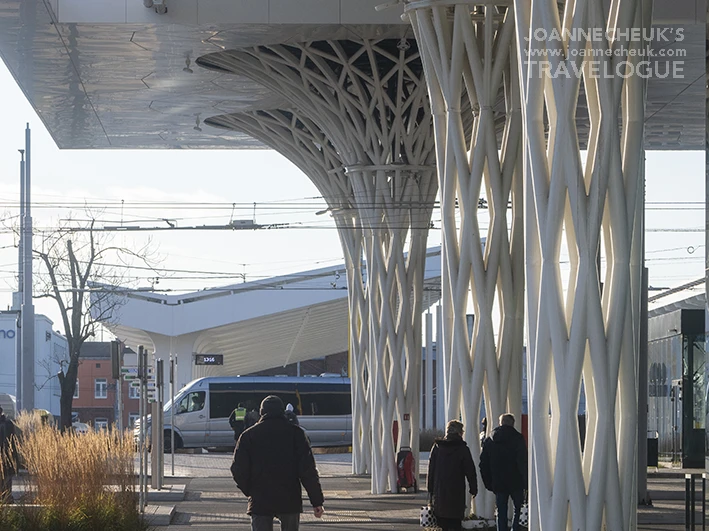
<point x="202" y="408"/>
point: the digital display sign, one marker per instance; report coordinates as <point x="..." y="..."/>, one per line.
<point x="209" y="359"/>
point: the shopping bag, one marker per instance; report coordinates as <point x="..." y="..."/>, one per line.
<point x="428" y="519"/>
<point x="524" y="515"/>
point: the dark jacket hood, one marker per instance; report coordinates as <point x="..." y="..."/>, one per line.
<point x="450" y="444"/>
<point x="272" y="405"/>
<point x="504" y="434"/>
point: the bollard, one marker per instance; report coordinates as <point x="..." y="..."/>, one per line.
<point x="704" y="502"/>
<point x="692" y="501"/>
<point x="690" y="496"/>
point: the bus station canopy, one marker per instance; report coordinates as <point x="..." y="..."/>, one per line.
<point x="115" y="74"/>
<point x="256" y="325"/>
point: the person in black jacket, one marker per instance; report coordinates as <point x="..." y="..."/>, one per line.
<point x="291" y="416"/>
<point x="483" y="431"/>
<point x="449" y="465"/>
<point x="503" y="467"/>
<point x="271" y="460"/>
<point x="8" y="457"/>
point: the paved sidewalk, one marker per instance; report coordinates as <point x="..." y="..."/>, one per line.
<point x="213" y="503"/>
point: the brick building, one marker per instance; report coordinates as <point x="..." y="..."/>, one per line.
<point x="95" y="401"/>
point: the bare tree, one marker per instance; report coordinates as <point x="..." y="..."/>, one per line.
<point x="83" y="273"/>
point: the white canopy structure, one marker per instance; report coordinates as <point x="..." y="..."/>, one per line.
<point x="255" y="325"/>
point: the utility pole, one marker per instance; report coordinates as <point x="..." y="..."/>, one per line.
<point x="17" y="296"/>
<point x="27" y="308"/>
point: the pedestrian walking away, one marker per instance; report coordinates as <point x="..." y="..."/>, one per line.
<point x="8" y="457"/>
<point x="503" y="467"/>
<point x="251" y="418"/>
<point x="450" y="464"/>
<point x="236" y="420"/>
<point x="291" y="416"/>
<point x="272" y="460"/>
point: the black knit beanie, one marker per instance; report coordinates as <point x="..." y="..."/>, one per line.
<point x="272" y="405"/>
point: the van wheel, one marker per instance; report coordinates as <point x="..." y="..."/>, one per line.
<point x="167" y="446"/>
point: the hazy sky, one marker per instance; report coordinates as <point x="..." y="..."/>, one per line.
<point x="264" y="177"/>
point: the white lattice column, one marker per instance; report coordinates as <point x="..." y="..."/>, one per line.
<point x="474" y="88"/>
<point x="369" y="98"/>
<point x="301" y="141"/>
<point x="584" y="322"/>
<point x="392" y="211"/>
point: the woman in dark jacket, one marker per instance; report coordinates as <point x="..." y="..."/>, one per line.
<point x="448" y="467"/>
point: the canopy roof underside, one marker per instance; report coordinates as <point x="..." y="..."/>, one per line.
<point x="110" y="82"/>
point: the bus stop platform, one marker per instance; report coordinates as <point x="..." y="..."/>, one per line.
<point x="213" y="503"/>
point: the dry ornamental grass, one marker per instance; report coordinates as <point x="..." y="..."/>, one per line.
<point x="75" y="482"/>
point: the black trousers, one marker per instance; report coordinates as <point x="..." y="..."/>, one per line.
<point x="238" y="428"/>
<point x="449" y="524"/>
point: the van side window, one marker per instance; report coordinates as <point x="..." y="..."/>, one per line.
<point x="326" y="403"/>
<point x="192" y="402"/>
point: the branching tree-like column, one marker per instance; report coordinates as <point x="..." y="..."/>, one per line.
<point x="369" y="98"/>
<point x="299" y="140"/>
<point x="474" y="87"/>
<point x="584" y="326"/>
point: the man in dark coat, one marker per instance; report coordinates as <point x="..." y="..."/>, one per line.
<point x="251" y="417"/>
<point x="271" y="460"/>
<point x="8" y="457"/>
<point x="449" y="465"/>
<point x="503" y="467"/>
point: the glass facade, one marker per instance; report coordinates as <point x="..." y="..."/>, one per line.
<point x="694" y="406"/>
<point x="677" y="387"/>
<point x="706" y="408"/>
<point x="664" y="396"/>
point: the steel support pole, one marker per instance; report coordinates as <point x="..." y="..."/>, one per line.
<point x="28" y="343"/>
<point x="155" y="441"/>
<point x="428" y="410"/>
<point x="119" y="404"/>
<point x="440" y="373"/>
<point x="144" y="397"/>
<point x="704" y="502"/>
<point x="690" y="496"/>
<point x="17" y="302"/>
<point x="141" y="436"/>
<point x="173" y="362"/>
<point x="643" y="492"/>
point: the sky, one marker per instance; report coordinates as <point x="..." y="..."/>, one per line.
<point x="232" y="181"/>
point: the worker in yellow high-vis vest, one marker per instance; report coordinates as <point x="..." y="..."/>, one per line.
<point x="236" y="420"/>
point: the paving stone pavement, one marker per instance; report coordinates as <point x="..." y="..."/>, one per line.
<point x="213" y="503"/>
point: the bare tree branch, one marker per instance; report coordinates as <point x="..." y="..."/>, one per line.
<point x="71" y="264"/>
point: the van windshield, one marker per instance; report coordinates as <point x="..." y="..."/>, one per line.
<point x="168" y="404"/>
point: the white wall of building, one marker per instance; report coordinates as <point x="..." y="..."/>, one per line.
<point x="49" y="348"/>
